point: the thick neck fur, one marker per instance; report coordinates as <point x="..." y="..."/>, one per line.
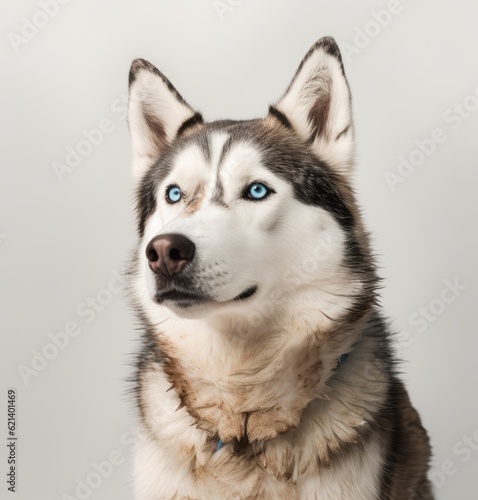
<point x="300" y="413"/>
<point x="241" y="380"/>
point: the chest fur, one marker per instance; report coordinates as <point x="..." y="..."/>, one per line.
<point x="177" y="458"/>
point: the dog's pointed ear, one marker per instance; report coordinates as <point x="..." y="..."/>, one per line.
<point x="157" y="114"/>
<point x="317" y="105"/>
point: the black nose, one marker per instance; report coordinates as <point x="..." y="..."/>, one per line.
<point x="169" y="253"/>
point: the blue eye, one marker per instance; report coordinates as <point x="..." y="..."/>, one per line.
<point x="173" y="194"/>
<point x="258" y="191"/>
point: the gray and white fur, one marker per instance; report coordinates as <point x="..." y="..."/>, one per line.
<point x="249" y="303"/>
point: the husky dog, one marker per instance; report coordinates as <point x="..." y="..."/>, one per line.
<point x="266" y="370"/>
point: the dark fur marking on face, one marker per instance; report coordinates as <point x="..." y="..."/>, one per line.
<point x="203" y="141"/>
<point x="195" y="120"/>
<point x="218" y="194"/>
<point x="226" y="147"/>
<point x="148" y="187"/>
<point x="280" y="117"/>
<point x="312" y="180"/>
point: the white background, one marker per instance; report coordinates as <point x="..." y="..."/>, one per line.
<point x="61" y="239"/>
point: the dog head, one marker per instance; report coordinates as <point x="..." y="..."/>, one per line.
<point x="243" y="217"/>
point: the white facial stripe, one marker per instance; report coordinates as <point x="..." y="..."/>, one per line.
<point x="216" y="145"/>
<point x="190" y="169"/>
<point x="242" y="166"/>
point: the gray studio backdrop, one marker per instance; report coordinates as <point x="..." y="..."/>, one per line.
<point x="66" y="223"/>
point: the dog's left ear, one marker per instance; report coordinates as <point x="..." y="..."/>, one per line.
<point x="157" y="114"/>
<point x="317" y="105"/>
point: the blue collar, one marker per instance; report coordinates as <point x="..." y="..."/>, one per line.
<point x="340" y="362"/>
<point x="342" y="359"/>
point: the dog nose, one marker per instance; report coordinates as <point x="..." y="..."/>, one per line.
<point x="168" y="253"/>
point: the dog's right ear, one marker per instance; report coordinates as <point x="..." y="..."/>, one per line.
<point x="157" y="114"/>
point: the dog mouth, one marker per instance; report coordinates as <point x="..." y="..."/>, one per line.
<point x="182" y="298"/>
<point x="246" y="293"/>
<point x="186" y="298"/>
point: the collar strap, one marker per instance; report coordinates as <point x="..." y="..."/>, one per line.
<point x="340" y="362"/>
<point x="342" y="359"/>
